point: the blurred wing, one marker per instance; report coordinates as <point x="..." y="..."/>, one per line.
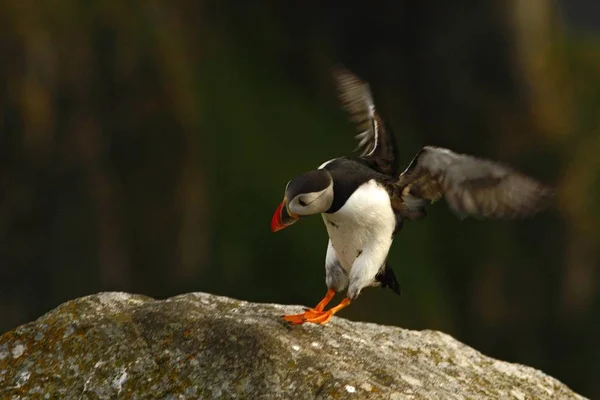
<point x="472" y="186"/>
<point x="375" y="143"/>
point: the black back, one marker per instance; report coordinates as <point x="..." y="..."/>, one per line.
<point x="348" y="174"/>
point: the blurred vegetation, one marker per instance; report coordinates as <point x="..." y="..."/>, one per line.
<point x="145" y="145"/>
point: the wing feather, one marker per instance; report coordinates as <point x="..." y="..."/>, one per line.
<point x="471" y="186"/>
<point x="375" y="143"/>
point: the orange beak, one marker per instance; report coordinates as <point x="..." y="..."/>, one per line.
<point x="282" y="218"/>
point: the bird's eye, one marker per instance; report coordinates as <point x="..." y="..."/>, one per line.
<point x="302" y="202"/>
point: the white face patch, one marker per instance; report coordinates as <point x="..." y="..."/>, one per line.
<point x="312" y="203"/>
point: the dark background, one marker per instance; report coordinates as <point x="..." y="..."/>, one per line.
<point x="145" y="145"/>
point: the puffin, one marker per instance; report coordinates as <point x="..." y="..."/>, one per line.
<point x="364" y="200"/>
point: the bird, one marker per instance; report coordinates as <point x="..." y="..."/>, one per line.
<point x="364" y="200"/>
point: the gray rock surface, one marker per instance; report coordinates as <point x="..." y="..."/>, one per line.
<point x="200" y="346"/>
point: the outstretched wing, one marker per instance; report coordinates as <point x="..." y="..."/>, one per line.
<point x="376" y="143"/>
<point x="472" y="186"/>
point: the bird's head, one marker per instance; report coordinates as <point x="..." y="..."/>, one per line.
<point x="307" y="194"/>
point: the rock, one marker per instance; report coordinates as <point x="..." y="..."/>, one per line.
<point x="200" y="346"/>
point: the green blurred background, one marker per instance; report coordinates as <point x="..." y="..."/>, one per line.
<point x="144" y="146"/>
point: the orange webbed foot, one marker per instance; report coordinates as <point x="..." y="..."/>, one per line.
<point x="308" y="315"/>
<point x="295" y="319"/>
<point x="315" y="316"/>
<point x="321" y="318"/>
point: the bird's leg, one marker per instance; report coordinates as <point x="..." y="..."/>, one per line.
<point x="319" y="307"/>
<point x="325" y="316"/>
<point x="295" y="319"/>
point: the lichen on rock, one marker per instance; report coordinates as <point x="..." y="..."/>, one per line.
<point x="201" y="346"/>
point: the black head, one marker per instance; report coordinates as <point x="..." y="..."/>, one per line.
<point x="308" y="182"/>
<point x="307" y="194"/>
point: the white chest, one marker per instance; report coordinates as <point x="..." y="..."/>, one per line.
<point x="365" y="222"/>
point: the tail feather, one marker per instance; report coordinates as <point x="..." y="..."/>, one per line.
<point x="387" y="278"/>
